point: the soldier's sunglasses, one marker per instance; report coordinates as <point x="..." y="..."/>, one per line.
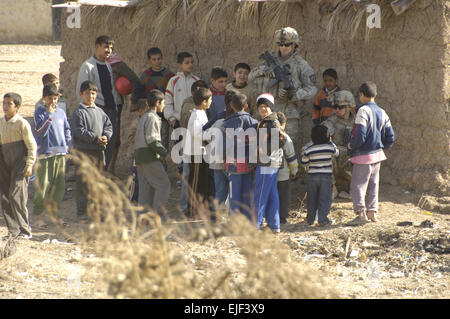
<point x="340" y="107"/>
<point x="284" y="44"/>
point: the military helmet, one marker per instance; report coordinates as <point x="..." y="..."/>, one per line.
<point x="343" y="98"/>
<point x="286" y="35"/>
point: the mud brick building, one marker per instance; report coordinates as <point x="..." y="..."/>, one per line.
<point x="408" y="58"/>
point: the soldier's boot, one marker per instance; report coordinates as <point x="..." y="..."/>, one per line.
<point x="361" y="219"/>
<point x="372" y="215"/>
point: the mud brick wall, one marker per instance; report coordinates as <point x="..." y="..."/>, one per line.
<point x="25" y="21"/>
<point x="408" y="58"/>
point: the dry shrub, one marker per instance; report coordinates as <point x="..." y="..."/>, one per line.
<point x="143" y="258"/>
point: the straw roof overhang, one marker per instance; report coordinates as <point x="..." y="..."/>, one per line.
<point x="243" y="17"/>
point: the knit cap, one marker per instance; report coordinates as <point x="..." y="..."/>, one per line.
<point x="267" y="99"/>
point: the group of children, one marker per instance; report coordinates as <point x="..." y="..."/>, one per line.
<point x="258" y="189"/>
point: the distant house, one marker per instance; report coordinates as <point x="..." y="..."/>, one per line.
<point x="29" y="21"/>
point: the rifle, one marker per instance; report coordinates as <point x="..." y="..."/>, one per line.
<point x="281" y="73"/>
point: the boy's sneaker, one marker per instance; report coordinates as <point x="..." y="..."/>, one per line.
<point x="372" y="216"/>
<point x="83" y="219"/>
<point x="24" y="236"/>
<point x="361" y="219"/>
<point x="276" y="230"/>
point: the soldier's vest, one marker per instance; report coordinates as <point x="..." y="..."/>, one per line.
<point x="340" y="126"/>
<point x="261" y="85"/>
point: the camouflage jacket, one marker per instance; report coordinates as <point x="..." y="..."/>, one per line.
<point x="340" y="128"/>
<point x="302" y="76"/>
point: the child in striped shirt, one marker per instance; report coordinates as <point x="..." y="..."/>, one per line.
<point x="317" y="158"/>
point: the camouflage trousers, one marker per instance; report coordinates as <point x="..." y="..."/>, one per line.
<point x="293" y="130"/>
<point x="342" y="170"/>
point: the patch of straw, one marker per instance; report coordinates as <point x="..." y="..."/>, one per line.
<point x="145" y="258"/>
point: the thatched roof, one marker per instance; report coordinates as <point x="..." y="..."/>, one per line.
<point x="160" y="17"/>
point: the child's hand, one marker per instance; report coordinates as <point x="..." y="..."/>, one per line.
<point x="348" y="146"/>
<point x="102" y="140"/>
<point x="28" y="171"/>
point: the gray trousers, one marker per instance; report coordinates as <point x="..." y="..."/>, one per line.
<point x="364" y="186"/>
<point x="154" y="185"/>
<point x="14" y="188"/>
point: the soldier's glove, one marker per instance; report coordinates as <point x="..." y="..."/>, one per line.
<point x="269" y="74"/>
<point x="285" y="94"/>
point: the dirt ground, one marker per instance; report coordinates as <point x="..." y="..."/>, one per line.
<point x="378" y="260"/>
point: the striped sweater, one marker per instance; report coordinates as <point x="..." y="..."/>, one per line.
<point x="317" y="158"/>
<point x="14" y="135"/>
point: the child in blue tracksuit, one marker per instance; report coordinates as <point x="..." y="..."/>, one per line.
<point x="270" y="159"/>
<point x="238" y="166"/>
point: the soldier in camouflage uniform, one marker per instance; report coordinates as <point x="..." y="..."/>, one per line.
<point x="340" y="125"/>
<point x="290" y="102"/>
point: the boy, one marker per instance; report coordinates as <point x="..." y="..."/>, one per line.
<point x="17" y="157"/>
<point x="289" y="171"/>
<point x="323" y="106"/>
<point x="371" y="133"/>
<point x="317" y="159"/>
<point x="154" y="184"/>
<point x="157" y="77"/>
<point x="91" y="132"/>
<point x="188" y="103"/>
<point x="240" y="84"/>
<point x="218" y="83"/>
<point x="216" y="162"/>
<point x="97" y="70"/>
<point x="238" y="168"/>
<point x="52" y="132"/>
<point x="270" y="158"/>
<point x="186" y="110"/>
<point x="179" y="88"/>
<point x="193" y="148"/>
<point x="47" y="79"/>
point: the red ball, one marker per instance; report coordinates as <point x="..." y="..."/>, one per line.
<point x="123" y="85"/>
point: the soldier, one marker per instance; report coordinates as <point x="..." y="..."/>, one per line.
<point x="340" y="125"/>
<point x="301" y="77"/>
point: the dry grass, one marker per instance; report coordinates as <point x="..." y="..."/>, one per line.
<point x="143" y="258"/>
